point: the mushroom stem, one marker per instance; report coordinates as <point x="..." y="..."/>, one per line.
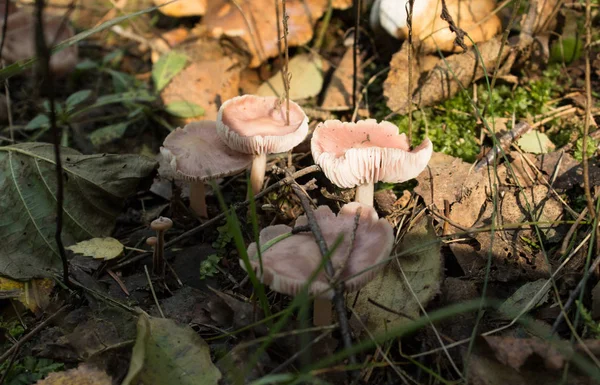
<point x="322" y="312"/>
<point x="364" y="194"/>
<point x="257" y="175"/>
<point x="198" y="199"/>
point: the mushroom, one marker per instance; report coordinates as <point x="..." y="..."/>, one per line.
<point x="258" y="125"/>
<point x="363" y="153"/>
<point x="195" y="153"/>
<point x="289" y="260"/>
<point x="160" y="225"/>
<point x="475" y="17"/>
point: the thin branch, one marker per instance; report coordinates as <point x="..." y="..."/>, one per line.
<point x="409" y="21"/>
<point x="47" y="82"/>
<point x="588" y="107"/>
<point x="286" y="73"/>
<point x="338" y="287"/>
<point x="357" y="6"/>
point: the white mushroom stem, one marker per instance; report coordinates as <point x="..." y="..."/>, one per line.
<point x="364" y="194"/>
<point x="322" y="312"/>
<point x="198" y="199"/>
<point x="257" y="174"/>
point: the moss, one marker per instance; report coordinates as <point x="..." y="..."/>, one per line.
<point x="453" y="126"/>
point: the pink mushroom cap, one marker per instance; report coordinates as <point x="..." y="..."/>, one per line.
<point x="352" y="154"/>
<point x="257" y="125"/>
<point x="196" y="153"/>
<point x="289" y="263"/>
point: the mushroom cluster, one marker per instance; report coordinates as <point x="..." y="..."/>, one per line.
<point x="248" y="128"/>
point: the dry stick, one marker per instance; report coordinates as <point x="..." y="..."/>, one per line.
<point x="283" y="182"/>
<point x="32" y="333"/>
<point x="588" y="107"/>
<point x="286" y="74"/>
<point x="409" y="19"/>
<point x="356" y="4"/>
<point x="338" y="287"/>
<point x="43" y="53"/>
<point x="504" y="142"/>
<point x="279" y="48"/>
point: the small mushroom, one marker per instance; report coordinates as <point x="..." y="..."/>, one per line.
<point x="160" y="225"/>
<point x="289" y="260"/>
<point x="196" y="154"/>
<point x="363" y="153"/>
<point x="258" y="125"/>
<point x="475" y="17"/>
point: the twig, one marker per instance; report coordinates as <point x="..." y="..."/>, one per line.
<point x="409" y="21"/>
<point x="357" y="6"/>
<point x="4" y="27"/>
<point x="279" y="48"/>
<point x="588" y="107"/>
<point x="338" y="287"/>
<point x="504" y="142"/>
<point x="236" y="207"/>
<point x="286" y="74"/>
<point x="32" y="333"/>
<point x="47" y="82"/>
<point x="153" y="292"/>
<point x="324" y="24"/>
<point x="10" y="363"/>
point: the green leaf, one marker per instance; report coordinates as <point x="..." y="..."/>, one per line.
<point x="39" y="121"/>
<point x="306" y="82"/>
<point x="183" y="109"/>
<point x="166" y="68"/>
<point x="78" y="97"/>
<point x="167" y="353"/>
<point x="95" y="188"/>
<point x="124" y="97"/>
<point x="86" y="64"/>
<point x="421" y="263"/>
<point x="536" y="142"/>
<point x="520" y="300"/>
<point x="99" y="248"/>
<point x="107" y="134"/>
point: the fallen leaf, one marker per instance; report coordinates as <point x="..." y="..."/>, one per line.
<point x="535" y="142"/>
<point x="212" y="77"/>
<point x="182" y="8"/>
<point x="99" y="248"/>
<point x="519" y="301"/>
<point x="421" y="262"/>
<point x="83" y="375"/>
<point x="95" y="188"/>
<point x="338" y="95"/>
<point x="445" y="80"/>
<point x="254" y="23"/>
<point x="306" y="79"/>
<point x="569" y="172"/>
<point x="166" y="68"/>
<point x="167" y="353"/>
<point x="34" y="294"/>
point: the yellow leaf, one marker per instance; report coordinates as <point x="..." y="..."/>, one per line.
<point x="98" y="248"/>
<point x="83" y="375"/>
<point x="34" y="294"/>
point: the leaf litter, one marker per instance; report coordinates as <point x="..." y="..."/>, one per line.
<point x="456" y="219"/>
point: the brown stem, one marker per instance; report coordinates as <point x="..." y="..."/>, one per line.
<point x="286" y="82"/>
<point x="322" y="312"/>
<point x="198" y="199"/>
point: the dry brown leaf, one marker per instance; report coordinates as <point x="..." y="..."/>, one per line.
<point x="83" y="375"/>
<point x="19" y="42"/>
<point x="447" y="178"/>
<point x="443" y="81"/>
<point x="338" y="95"/>
<point x="182" y="8"/>
<point x="255" y="23"/>
<point x="212" y="77"/>
<point x="526" y="361"/>
<point x="569" y="171"/>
